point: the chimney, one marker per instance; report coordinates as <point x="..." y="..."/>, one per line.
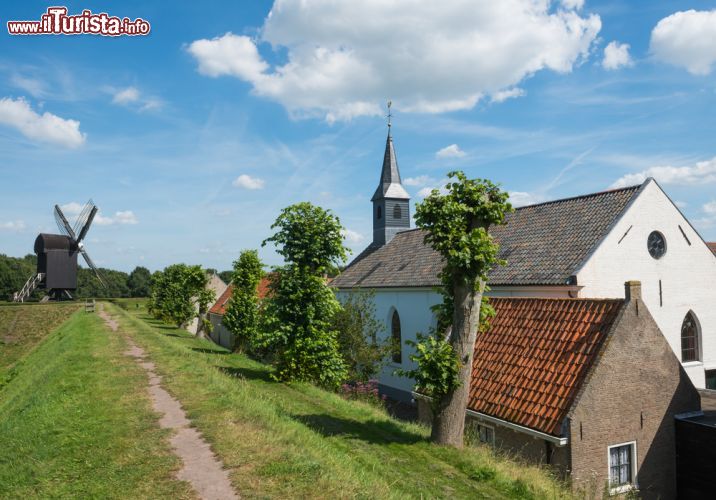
<point x="632" y="290"/>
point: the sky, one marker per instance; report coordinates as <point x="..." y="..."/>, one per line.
<point x="193" y="138"/>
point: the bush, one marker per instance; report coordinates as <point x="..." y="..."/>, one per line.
<point x="363" y="391"/>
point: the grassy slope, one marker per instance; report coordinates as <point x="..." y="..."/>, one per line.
<point x="22" y="327"/>
<point x="76" y="422"/>
<point x="299" y="441"/>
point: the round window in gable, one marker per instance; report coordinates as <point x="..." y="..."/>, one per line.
<point x="656" y="245"/>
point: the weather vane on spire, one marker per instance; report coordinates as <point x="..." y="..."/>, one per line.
<point x="390" y="103"/>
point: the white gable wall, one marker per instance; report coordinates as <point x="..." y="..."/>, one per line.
<point x="687" y="272"/>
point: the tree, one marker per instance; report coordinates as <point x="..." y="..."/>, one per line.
<point x="456" y="225"/>
<point x="242" y="311"/>
<point x="139" y="281"/>
<point x="362" y="351"/>
<point x="300" y="307"/>
<point x="226" y="276"/>
<point x="180" y="294"/>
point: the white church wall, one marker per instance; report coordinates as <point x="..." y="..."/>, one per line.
<point x="413" y="306"/>
<point x="687" y="273"/>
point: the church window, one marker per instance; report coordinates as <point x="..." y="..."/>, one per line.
<point x="397" y="212"/>
<point x="656" y="244"/>
<point x="689" y="339"/>
<point x="379" y="212"/>
<point x="396" y="337"/>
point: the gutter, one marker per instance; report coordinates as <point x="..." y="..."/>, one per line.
<point x="558" y="441"/>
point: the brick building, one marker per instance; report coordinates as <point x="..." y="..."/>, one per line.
<point x="589" y="386"/>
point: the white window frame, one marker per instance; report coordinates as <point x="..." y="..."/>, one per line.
<point x="624" y="487"/>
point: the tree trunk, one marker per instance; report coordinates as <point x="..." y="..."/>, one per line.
<point x="449" y="420"/>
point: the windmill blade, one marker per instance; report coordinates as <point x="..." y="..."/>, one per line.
<point x="62" y="223"/>
<point x="83" y="216"/>
<point x="85" y="228"/>
<point x="92" y="266"/>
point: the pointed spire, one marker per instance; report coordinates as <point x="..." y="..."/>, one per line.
<point x="390" y="184"/>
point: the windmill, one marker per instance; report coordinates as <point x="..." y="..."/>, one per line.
<point x="57" y="256"/>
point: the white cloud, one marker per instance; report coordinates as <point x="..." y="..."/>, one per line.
<point x="709" y="208"/>
<point x="132" y="96"/>
<point x="573" y="4"/>
<point x="352" y="236"/>
<point x="686" y="39"/>
<point x="451" y="151"/>
<point x="126" y="96"/>
<point x="71" y="208"/>
<point x="343" y="59"/>
<point x="420" y="180"/>
<point x="13" y="225"/>
<point x="616" y="55"/>
<point x="426" y="191"/>
<point x="33" y="86"/>
<point x="120" y="217"/>
<point x="247" y="182"/>
<point x="521" y="198"/>
<point x="47" y="127"/>
<point x="703" y="172"/>
<point x="503" y="95"/>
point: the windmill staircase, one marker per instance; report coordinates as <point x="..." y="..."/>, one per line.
<point x="29" y="287"/>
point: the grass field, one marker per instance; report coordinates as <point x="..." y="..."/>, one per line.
<point x="76" y="422"/>
<point x="23" y="326"/>
<point x="293" y="441"/>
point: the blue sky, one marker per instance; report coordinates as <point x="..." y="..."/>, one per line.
<point x="193" y="138"/>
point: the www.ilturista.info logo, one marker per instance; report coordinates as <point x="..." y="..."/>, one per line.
<point x="56" y="22"/>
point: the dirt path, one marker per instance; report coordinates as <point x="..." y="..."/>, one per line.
<point x="201" y="467"/>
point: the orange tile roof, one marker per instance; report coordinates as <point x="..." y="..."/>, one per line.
<point x="712" y="246"/>
<point x="219" y="306"/>
<point x="529" y="366"/>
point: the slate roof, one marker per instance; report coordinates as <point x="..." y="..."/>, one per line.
<point x="544" y="244"/>
<point x="529" y="366"/>
<point x="390" y="185"/>
<point x="219" y="307"/>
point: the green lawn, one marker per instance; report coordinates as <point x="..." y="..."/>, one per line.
<point x="23" y="326"/>
<point x="288" y="441"/>
<point x="76" y="422"/>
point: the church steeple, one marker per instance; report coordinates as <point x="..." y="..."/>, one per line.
<point x="391" y="202"/>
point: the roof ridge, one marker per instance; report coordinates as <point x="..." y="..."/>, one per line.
<point x="560" y="299"/>
<point x="582" y="196"/>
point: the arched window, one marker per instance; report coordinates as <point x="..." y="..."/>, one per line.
<point x="396" y="338"/>
<point x="689" y="338"/>
<point x="397" y="212"/>
<point x="379" y="212"/>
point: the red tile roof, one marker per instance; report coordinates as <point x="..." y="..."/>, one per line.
<point x="219" y="306"/>
<point x="529" y="366"/>
<point x="712" y="246"/>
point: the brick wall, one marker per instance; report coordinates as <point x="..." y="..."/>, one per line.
<point x="632" y="394"/>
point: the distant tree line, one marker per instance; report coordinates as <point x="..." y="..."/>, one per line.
<point x="14" y="272"/>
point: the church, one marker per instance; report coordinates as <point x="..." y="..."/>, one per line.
<point x="585" y="247"/>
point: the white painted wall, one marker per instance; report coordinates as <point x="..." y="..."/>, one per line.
<point x="687" y="273"/>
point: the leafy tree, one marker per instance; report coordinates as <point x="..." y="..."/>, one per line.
<point x="139" y="281"/>
<point x="180" y="294"/>
<point x="298" y="330"/>
<point x="357" y="327"/>
<point x="456" y="226"/>
<point x="241" y="316"/>
<point x="14" y="272"/>
<point x="226" y="276"/>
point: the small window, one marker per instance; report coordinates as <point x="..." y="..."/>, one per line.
<point x="379" y="212"/>
<point x="622" y="459"/>
<point x="485" y="434"/>
<point x="396" y="337"/>
<point x="397" y="212"/>
<point x="711" y="379"/>
<point x="689" y="339"/>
